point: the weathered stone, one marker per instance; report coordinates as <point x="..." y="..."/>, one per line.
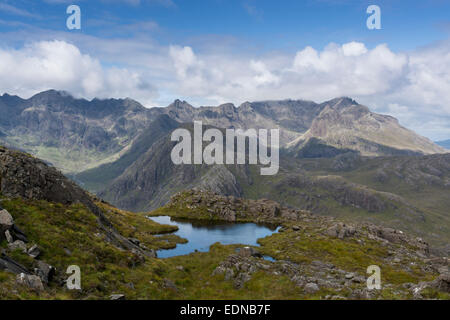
<point x="10" y="265"/>
<point x="229" y="274"/>
<point x="341" y="231"/>
<point x="6" y="221"/>
<point x="45" y="271"/>
<point x="241" y="279"/>
<point x="31" y="281"/>
<point x="18" y="244"/>
<point x="168" y="284"/>
<point x="248" y="252"/>
<point x="8" y="237"/>
<point x="218" y="270"/>
<point x="349" y="276"/>
<point x="117" y="297"/>
<point x="442" y="282"/>
<point x="134" y="241"/>
<point x="19" y="234"/>
<point x="311" y="288"/>
<point x="34" y="251"/>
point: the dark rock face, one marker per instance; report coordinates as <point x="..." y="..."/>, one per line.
<point x="10" y="265"/>
<point x="315" y="148"/>
<point x="157" y="178"/>
<point x="24" y="176"/>
<point x="6" y="221"/>
<point x="45" y="271"/>
<point x="56" y="119"/>
<point x="27" y="177"/>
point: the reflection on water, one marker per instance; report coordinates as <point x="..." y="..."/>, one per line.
<point x="202" y="234"/>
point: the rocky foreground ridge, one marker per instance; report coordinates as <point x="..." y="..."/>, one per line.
<point x="25" y="177"/>
<point x="48" y="223"/>
<point x="304" y="249"/>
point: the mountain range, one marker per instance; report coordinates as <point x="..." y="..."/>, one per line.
<point x="337" y="157"/>
<point x="77" y="134"/>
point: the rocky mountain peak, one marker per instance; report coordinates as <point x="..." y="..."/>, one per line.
<point x="179" y="104"/>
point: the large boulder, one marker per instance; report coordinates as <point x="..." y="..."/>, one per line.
<point x="442" y="282"/>
<point x="17" y="245"/>
<point x="248" y="252"/>
<point x="6" y="221"/>
<point x="31" y="281"/>
<point x="45" y="271"/>
<point x="341" y="231"/>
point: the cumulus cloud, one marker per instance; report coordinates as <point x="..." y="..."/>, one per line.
<point x="61" y="65"/>
<point x="412" y="86"/>
<point x="350" y="69"/>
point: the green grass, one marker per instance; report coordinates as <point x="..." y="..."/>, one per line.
<point x="106" y="270"/>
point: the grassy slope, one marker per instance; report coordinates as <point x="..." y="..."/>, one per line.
<point x="311" y="244"/>
<point x="429" y="219"/>
<point x="107" y="270"/>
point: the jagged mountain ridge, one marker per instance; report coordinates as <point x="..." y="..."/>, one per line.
<point x="77" y="134"/>
<point x="73" y="134"/>
<point x="343" y="123"/>
<point x="44" y="230"/>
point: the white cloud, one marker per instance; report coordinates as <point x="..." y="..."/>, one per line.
<point x="60" y="65"/>
<point x="412" y="86"/>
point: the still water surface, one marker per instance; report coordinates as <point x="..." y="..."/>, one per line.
<point x="202" y="234"/>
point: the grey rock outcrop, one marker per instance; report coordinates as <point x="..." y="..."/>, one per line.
<point x="45" y="271"/>
<point x="31" y="281"/>
<point x="6" y="221"/>
<point x="30" y="178"/>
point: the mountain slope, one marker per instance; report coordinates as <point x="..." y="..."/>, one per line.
<point x="343" y="123"/>
<point x="98" y="177"/>
<point x="408" y="192"/>
<point x="386" y="190"/>
<point x="48" y="223"/>
<point x="76" y="135"/>
<point x="73" y="134"/>
<point x="152" y="179"/>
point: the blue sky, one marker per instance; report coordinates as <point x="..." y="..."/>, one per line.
<point x="217" y="51"/>
<point x="288" y="24"/>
